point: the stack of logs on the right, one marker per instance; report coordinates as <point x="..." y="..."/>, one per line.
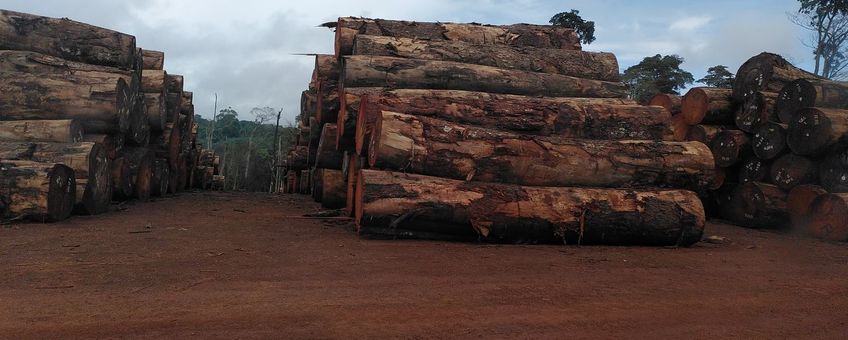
<point x="779" y="139"/>
<point x="507" y="134"/>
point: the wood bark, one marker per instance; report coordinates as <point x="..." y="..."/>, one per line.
<point x="580" y="64"/>
<point x="833" y="172"/>
<point x="799" y="203"/>
<point x="513" y="35"/>
<point x="792" y="170"/>
<point x="157" y="111"/>
<point x="154" y="81"/>
<point x="708" y="105"/>
<point x="730" y="146"/>
<point x="139" y="132"/>
<point x="153" y="60"/>
<point x="705" y="133"/>
<point x="829" y="217"/>
<point x="58" y="131"/>
<point x="333" y="189"/>
<point x="327" y="156"/>
<point x="349" y="102"/>
<point x="167" y="144"/>
<point x="371" y="71"/>
<point x="758" y="205"/>
<point x="66" y="39"/>
<point x="404" y="205"/>
<point x="327" y="68"/>
<point x="122" y="184"/>
<point x="754" y="169"/>
<point x="804" y="93"/>
<point x="327" y="102"/>
<point x="36" y="191"/>
<point x="174" y="102"/>
<point x="671" y="102"/>
<point x="679" y="128"/>
<point x="160" y="178"/>
<point x="769" y="140"/>
<point x="765" y="72"/>
<point x="175" y="83"/>
<point x="758" y="108"/>
<point x="814" y="130"/>
<point x="440" y="148"/>
<point x="112" y="144"/>
<point x="140" y="161"/>
<point x="303" y="136"/>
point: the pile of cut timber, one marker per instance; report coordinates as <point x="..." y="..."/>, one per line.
<point x="87" y="118"/>
<point x="779" y="139"/>
<point x="508" y="134"/>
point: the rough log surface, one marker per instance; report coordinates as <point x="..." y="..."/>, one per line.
<point x="813" y="130"/>
<point x="804" y="93"/>
<point x="36" y="191"/>
<point x="829" y="217"/>
<point x="730" y="146"/>
<point x="833" y="172"/>
<point x="769" y="140"/>
<point x="765" y="72"/>
<point x="758" y="205"/>
<point x="153" y="60"/>
<point x="708" y="105"/>
<point x="758" y="108"/>
<point x="57" y="131"/>
<point x="671" y="102"/>
<point x="799" y="203"/>
<point x="792" y="170"/>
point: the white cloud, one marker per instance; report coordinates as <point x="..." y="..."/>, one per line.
<point x="690" y="23"/>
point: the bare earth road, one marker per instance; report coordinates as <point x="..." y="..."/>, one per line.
<point x="234" y="266"/>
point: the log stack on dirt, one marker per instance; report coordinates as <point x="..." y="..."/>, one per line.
<point x="507" y="134"/>
<point x="87" y="118"/>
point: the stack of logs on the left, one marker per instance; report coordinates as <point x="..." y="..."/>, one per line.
<point x="496" y="133"/>
<point x="87" y="118"/>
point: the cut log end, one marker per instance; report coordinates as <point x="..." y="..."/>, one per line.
<point x="829" y="217"/>
<point x="769" y="140"/>
<point x="37" y="191"/>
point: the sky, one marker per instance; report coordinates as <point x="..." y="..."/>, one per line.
<point x="246" y="51"/>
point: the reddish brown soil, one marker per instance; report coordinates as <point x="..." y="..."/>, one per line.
<point x="237" y="266"/>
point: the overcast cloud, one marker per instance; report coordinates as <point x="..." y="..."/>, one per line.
<point x="245" y="50"/>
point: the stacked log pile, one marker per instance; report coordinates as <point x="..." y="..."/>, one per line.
<point x="779" y="139"/>
<point x="508" y="134"/>
<point x="86" y="118"/>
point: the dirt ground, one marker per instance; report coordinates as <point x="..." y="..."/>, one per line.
<point x="227" y="265"/>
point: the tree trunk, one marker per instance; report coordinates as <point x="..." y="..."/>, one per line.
<point x="833" y="172"/>
<point x="112" y="144"/>
<point x="175" y="83"/>
<point x="157" y="111"/>
<point x="440" y="148"/>
<point x="88" y="160"/>
<point x="297" y="158"/>
<point x="679" y="128"/>
<point x="166" y="144"/>
<point x="799" y="203"/>
<point x="769" y="140"/>
<point x="791" y="170"/>
<point x="57" y="131"/>
<point x="327" y="103"/>
<point x="758" y="205"/>
<point x="708" y="105"/>
<point x="404" y="205"/>
<point x="314" y="139"/>
<point x="765" y="72"/>
<point x="706" y="133"/>
<point x="829" y="217"/>
<point x="730" y="146"/>
<point x="66" y="39"/>
<point x="580" y="64"/>
<point x="154" y="81"/>
<point x="187" y="103"/>
<point x="174" y="102"/>
<point x="160" y="178"/>
<point x="814" y="130"/>
<point x="139" y="132"/>
<point x="757" y="109"/>
<point x="140" y="162"/>
<point x="804" y="93"/>
<point x="308" y="106"/>
<point x="590" y="118"/>
<point x="327" y="68"/>
<point x="122" y="184"/>
<point x="36" y="191"/>
<point x="753" y="169"/>
<point x="153" y="60"/>
<point x="365" y="71"/>
<point x="327" y="156"/>
<point x="671" y="102"/>
<point x="333" y="189"/>
<point x="349" y="102"/>
<point x="347" y="28"/>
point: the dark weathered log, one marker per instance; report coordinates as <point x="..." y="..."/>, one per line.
<point x="679" y="128"/>
<point x="187" y="103"/>
<point x="166" y="144"/>
<point x="327" y="102"/>
<point x="327" y="68"/>
<point x="316" y="190"/>
<point x="333" y="189"/>
<point x="705" y="133"/>
<point x="36" y="191"/>
<point x="175" y="83"/>
<point x="757" y="109"/>
<point x="759" y="205"/>
<point x="814" y="130"/>
<point x="804" y="93"/>
<point x="753" y="169"/>
<point x="58" y="131"/>
<point x="580" y="64"/>
<point x="122" y="184"/>
<point x="365" y="71"/>
<point x="67" y="39"/>
<point x="139" y="132"/>
<point x="112" y="144"/>
<point x="314" y="138"/>
<point x="513" y="35"/>
<point x="829" y="217"/>
<point x="765" y="72"/>
<point x="140" y="162"/>
<point x="730" y="146"/>
<point x="708" y="105"/>
<point x="327" y="156"/>
<point x="160" y="178"/>
<point x="833" y="172"/>
<point x="305" y="182"/>
<point x="297" y="158"/>
<point x="799" y="202"/>
<point x="791" y="170"/>
<point x="769" y="140"/>
<point x="157" y="111"/>
<point x="153" y="60"/>
<point x="406" y="205"/>
<point x="174" y="102"/>
<point x="308" y="106"/>
<point x="303" y="135"/>
<point x="671" y="102"/>
<point x="440" y="148"/>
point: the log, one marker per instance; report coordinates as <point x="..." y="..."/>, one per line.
<point x="371" y="71"/>
<point x="799" y="203"/>
<point x="36" y="191"/>
<point x="354" y="164"/>
<point x="175" y="83"/>
<point x="729" y="146"/>
<point x="705" y="133"/>
<point x="349" y="102"/>
<point x="590" y="118"/>
<point x="327" y="102"/>
<point x="439" y="148"/>
<point x="297" y="158"/>
<point x="327" y="156"/>
<point x="707" y="105"/>
<point x="308" y="106"/>
<point x="575" y="63"/>
<point x="333" y="189"/>
<point x="406" y="205"/>
<point x="66" y="39"/>
<point x="314" y="138"/>
<point x="166" y="144"/>
<point x="122" y="184"/>
<point x="140" y="161"/>
<point x="316" y="190"/>
<point x="154" y="81"/>
<point x="804" y="93"/>
<point x="88" y="160"/>
<point x="769" y="140"/>
<point x="833" y="172"/>
<point x="112" y="144"/>
<point x="765" y="72"/>
<point x="754" y="169"/>
<point x="160" y="178"/>
<point x="153" y="60"/>
<point x="512" y="35"/>
<point x="814" y="130"/>
<point x="187" y="104"/>
<point x="303" y="136"/>
<point x="758" y="108"/>
<point x="327" y="68"/>
<point x="757" y="205"/>
<point x="174" y="103"/>
<point x="671" y="102"/>
<point x="139" y="132"/>
<point x="57" y="131"/>
<point x="791" y="170"/>
<point x="829" y="217"/>
<point x="679" y="128"/>
<point x="157" y="111"/>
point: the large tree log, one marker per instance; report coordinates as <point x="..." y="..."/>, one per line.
<point x="833" y="172"/>
<point x="154" y="81"/>
<point x="349" y="103"/>
<point x="792" y="170"/>
<point x="174" y="103"/>
<point x="804" y="93"/>
<point x="353" y="164"/>
<point x="88" y="160"/>
<point x="66" y="39"/>
<point x="440" y="148"/>
<point x="314" y="138"/>
<point x="590" y="118"/>
<point x="297" y="158"/>
<point x="799" y="202"/>
<point x="757" y="205"/>
<point x="580" y="64"/>
<point x="671" y="102"/>
<point x="153" y="60"/>
<point x="513" y="35"/>
<point x="705" y="133"/>
<point x="327" y="102"/>
<point x="36" y="86"/>
<point x="708" y="105"/>
<point x="140" y="162"/>
<point x="814" y="130"/>
<point x="122" y="184"/>
<point x="769" y="140"/>
<point x="370" y="71"/>
<point x="112" y="144"/>
<point x="679" y="128"/>
<point x="157" y="111"/>
<point x="333" y="189"/>
<point x="187" y="104"/>
<point x="160" y="178"/>
<point x="167" y="144"/>
<point x="754" y="169"/>
<point x="395" y="203"/>
<point x="36" y="191"/>
<point x="757" y="109"/>
<point x="327" y="68"/>
<point x="729" y="146"/>
<point x="175" y="83"/>
<point x="765" y="72"/>
<point x="308" y="106"/>
<point x="58" y="131"/>
<point x="327" y="156"/>
<point x="829" y="217"/>
<point x="139" y="132"/>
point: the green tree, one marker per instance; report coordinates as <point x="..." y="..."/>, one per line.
<point x="585" y="29"/>
<point x="657" y="74"/>
<point x="827" y="20"/>
<point x="718" y="76"/>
